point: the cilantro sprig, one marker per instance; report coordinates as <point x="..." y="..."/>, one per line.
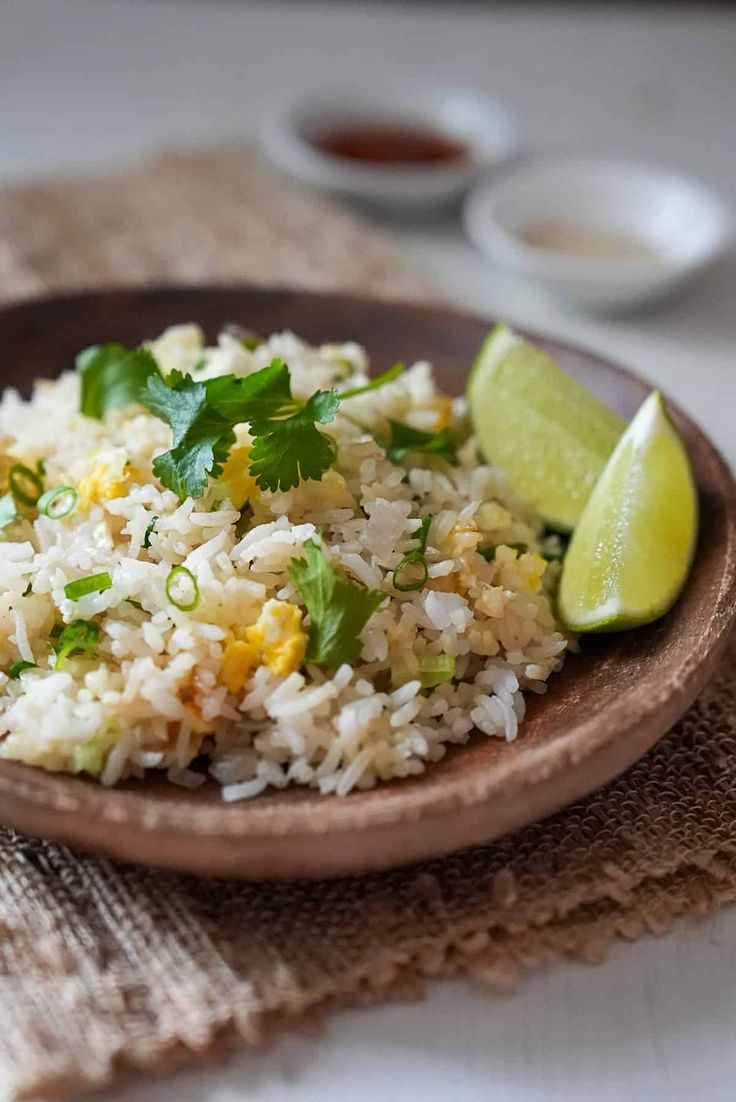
<point x="338" y="609"/>
<point x="287" y="445"/>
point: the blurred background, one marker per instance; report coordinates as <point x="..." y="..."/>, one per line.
<point x="88" y="85"/>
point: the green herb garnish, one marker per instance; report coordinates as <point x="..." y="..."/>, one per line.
<point x="8" y="511"/>
<point x="338" y="609"/>
<point x="289" y="449"/>
<point x="287" y="446"/>
<point x="112" y="376"/>
<point x="202" y="437"/>
<point x="93" y="583"/>
<point x="403" y="439"/>
<point x="436" y="669"/>
<point x="150" y="529"/>
<point x="58" y="502"/>
<point x="18" y="667"/>
<point x="135" y="604"/>
<point x="78" y="637"/>
<point x="413" y="579"/>
<point x="25" y="485"/>
<point x="380" y="380"/>
<point x="177" y="576"/>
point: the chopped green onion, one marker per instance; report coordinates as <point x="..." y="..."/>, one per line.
<point x="25" y="484"/>
<point x="430" y="670"/>
<point x="17" y="668"/>
<point x="89" y="757"/>
<point x="94" y="583"/>
<point x="414" y="579"/>
<point x="436" y="669"/>
<point x="422" y="532"/>
<point x="135" y="604"/>
<point x="58" y="502"/>
<point x="149" y="532"/>
<point x="251" y="343"/>
<point x="78" y="637"/>
<point x="177" y="575"/>
<point x="8" y="511"/>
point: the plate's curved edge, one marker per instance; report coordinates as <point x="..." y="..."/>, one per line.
<point x="38" y="791"/>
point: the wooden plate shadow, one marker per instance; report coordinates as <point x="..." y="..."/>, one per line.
<point x="608" y="706"/>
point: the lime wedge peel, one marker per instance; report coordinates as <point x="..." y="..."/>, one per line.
<point x="547" y="431"/>
<point x="633" y="547"/>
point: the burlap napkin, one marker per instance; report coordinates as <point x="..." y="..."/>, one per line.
<point x="105" y="968"/>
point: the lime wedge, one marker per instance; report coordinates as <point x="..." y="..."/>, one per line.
<point x="632" y="549"/>
<point x="549" y="433"/>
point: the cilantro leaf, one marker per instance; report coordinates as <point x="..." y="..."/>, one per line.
<point x="380" y="380"/>
<point x="403" y="439"/>
<point x="288" y="449"/>
<point x="202" y="437"/>
<point x="265" y="393"/>
<point x="18" y="667"/>
<point x="338" y="609"/>
<point x="8" y="510"/>
<point x="112" y="376"/>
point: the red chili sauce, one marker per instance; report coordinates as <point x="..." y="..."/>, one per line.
<point x="390" y="144"/>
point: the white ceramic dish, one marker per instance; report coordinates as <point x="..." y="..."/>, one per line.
<point x="481" y="124"/>
<point x="682" y="226"/>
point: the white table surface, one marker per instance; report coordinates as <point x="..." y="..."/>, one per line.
<point x="88" y="83"/>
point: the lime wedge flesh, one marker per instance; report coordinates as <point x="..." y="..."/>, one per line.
<point x="632" y="549"/>
<point x="550" y="434"/>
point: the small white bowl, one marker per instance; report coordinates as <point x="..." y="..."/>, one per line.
<point x="681" y="226"/>
<point x="481" y="124"/>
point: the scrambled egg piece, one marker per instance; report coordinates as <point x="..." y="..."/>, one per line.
<point x="102" y="484"/>
<point x="238" y="662"/>
<point x="236" y="477"/>
<point x="523" y="573"/>
<point x="276" y="640"/>
<point x="279" y="637"/>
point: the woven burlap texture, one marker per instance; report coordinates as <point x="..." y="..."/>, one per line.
<point x="106" y="968"/>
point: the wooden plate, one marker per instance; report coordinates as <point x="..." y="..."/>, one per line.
<point x="607" y="707"/>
